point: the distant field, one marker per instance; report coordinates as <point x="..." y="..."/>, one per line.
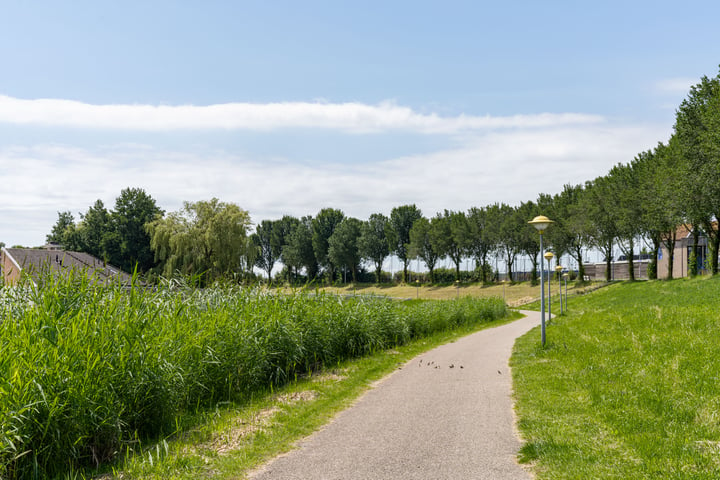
<point x="515" y="294"/>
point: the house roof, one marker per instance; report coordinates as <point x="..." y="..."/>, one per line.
<point x="685" y="230"/>
<point x="36" y="262"/>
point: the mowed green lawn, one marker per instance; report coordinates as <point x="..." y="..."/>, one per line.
<point x="627" y="386"/>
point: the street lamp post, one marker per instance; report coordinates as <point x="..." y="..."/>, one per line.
<point x="541" y="222"/>
<point x="565" y="276"/>
<point x="549" y="256"/>
<point x="417" y="288"/>
<point x="558" y="269"/>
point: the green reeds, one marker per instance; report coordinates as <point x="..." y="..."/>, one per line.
<point x="88" y="371"/>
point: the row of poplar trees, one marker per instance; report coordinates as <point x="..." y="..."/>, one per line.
<point x="640" y="205"/>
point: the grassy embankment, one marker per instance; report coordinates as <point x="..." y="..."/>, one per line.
<point x="627" y="386"/>
<point x="90" y="374"/>
<point x="515" y="294"/>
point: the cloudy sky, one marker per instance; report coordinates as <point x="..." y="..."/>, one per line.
<point x="287" y="107"/>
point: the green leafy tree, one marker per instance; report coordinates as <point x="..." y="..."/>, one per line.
<point x="570" y="233"/>
<point x="323" y="226"/>
<point x="343" y="248"/>
<point x="401" y="221"/>
<point x="373" y="243"/>
<point x="423" y="241"/>
<point x="60" y="231"/>
<point x="624" y="184"/>
<point x="94" y="229"/>
<point x="248" y="257"/>
<point x="697" y="128"/>
<point x="660" y="182"/>
<point x="452" y="237"/>
<point x="480" y="239"/>
<point x="299" y="253"/>
<point x="574" y="224"/>
<point x="530" y="240"/>
<point x="283" y="230"/>
<point x="204" y="239"/>
<point x="511" y="236"/>
<point x="268" y="243"/>
<point x="598" y="205"/>
<point x="133" y="209"/>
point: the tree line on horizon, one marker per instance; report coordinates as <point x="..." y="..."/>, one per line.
<point x="674" y="184"/>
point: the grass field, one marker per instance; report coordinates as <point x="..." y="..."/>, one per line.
<point x="627" y="386"/>
<point x="515" y="294"/>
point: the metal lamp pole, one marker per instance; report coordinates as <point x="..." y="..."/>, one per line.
<point x="549" y="256"/>
<point x="558" y="269"/>
<point x="541" y="222"/>
<point x="565" y="276"/>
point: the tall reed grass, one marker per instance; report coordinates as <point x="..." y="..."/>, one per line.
<point x="86" y="371"/>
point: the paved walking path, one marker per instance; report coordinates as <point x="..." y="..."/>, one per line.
<point x="446" y="414"/>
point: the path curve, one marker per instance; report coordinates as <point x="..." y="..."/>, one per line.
<point x="446" y="414"/>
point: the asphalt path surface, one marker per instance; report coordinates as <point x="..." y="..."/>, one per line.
<point x="446" y="414"/>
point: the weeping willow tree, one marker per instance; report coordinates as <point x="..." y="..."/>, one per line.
<point x="204" y="239"/>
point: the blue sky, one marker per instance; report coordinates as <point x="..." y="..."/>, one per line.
<point x="290" y="107"/>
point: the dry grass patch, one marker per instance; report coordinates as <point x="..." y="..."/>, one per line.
<point x="521" y="301"/>
<point x="241" y="429"/>
<point x="295" y="397"/>
<point x="329" y="377"/>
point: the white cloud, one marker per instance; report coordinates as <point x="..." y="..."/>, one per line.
<point x="349" y="117"/>
<point x="675" y="86"/>
<point x="499" y="166"/>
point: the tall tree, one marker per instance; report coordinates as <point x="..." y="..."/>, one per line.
<point x="530" y="240"/>
<point x="598" y="204"/>
<point x="401" y="221"/>
<point x="204" y="239"/>
<point x="343" y="248"/>
<point x="480" y="238"/>
<point x="511" y="236"/>
<point x="660" y="178"/>
<point x="94" y="229"/>
<point x="299" y="253"/>
<point x="424" y="243"/>
<point x="373" y="242"/>
<point x="323" y="226"/>
<point x="283" y="231"/>
<point x="453" y="237"/>
<point x="574" y="223"/>
<point x="267" y="240"/>
<point x="60" y="230"/>
<point x="624" y="184"/>
<point x="133" y="209"/>
<point x="697" y="128"/>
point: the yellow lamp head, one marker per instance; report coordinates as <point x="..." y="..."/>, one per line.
<point x="541" y="222"/>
